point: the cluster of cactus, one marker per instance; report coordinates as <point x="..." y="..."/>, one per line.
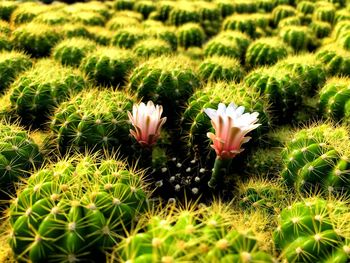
<point x="307" y="232"/>
<point x="334" y="99"/>
<point x="74" y="209"/>
<point x="18" y="154"/>
<point x="316" y="159"/>
<point x="94" y="120"/>
<point x="36" y="92"/>
<point x="205" y="235"/>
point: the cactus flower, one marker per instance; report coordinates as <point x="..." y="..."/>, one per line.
<point x="231" y="126"/>
<point x="147" y="122"/>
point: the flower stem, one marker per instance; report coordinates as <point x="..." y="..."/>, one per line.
<point x="220" y="169"/>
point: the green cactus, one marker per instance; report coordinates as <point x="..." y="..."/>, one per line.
<point x="340" y="29"/>
<point x="217" y="68"/>
<point x="5" y="43"/>
<point x="262" y="195"/>
<point x="226" y="7"/>
<point x="334" y="101"/>
<point x="100" y="35"/>
<point x="210" y="18"/>
<point x="290" y="21"/>
<point x="36" y="39"/>
<point x="18" y="153"/>
<point x="281" y="12"/>
<point x="266" y="5"/>
<point x="124" y="4"/>
<point x="6" y="9"/>
<point x="316" y="159"/>
<point x="94" y="120"/>
<point x="128" y="37"/>
<point x="308" y="68"/>
<point x="282" y="88"/>
<point x="188" y="236"/>
<point x="72" y="51"/>
<point x="320" y="29"/>
<point x="306" y="7"/>
<point x="36" y="92"/>
<point x="298" y="37"/>
<point x="245" y="6"/>
<point x="182" y="14"/>
<point x="165" y="81"/>
<point x="195" y="123"/>
<point x="52" y="18"/>
<point x="341" y="15"/>
<point x="335" y="58"/>
<point x="325" y="13"/>
<point x="241" y="22"/>
<point x="306" y="231"/>
<point x="89" y="18"/>
<point x="75" y="30"/>
<point x="26" y="12"/>
<point x="122" y="22"/>
<point x="265" y="51"/>
<point x="145" y="7"/>
<point x="108" y="66"/>
<point x="152" y="47"/>
<point x="12" y="63"/>
<point x="190" y="35"/>
<point x="74" y="209"/>
<point x="229" y="43"/>
<point x="165" y="33"/>
<point x="4" y="27"/>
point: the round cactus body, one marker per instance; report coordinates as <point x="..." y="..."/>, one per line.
<point x="217" y="68"/>
<point x="182" y="14"/>
<point x="265" y="51"/>
<point x="298" y="37"/>
<point x="165" y="33"/>
<point x="144" y="7"/>
<point x="108" y="66"/>
<point x="325" y="13"/>
<point x="243" y="23"/>
<point x="336" y="59"/>
<point x="128" y="37"/>
<point x="52" y="18"/>
<point x="18" y="153"/>
<point x="313" y="160"/>
<point x="124" y="4"/>
<point x="119" y="22"/>
<point x="5" y="43"/>
<point x="92" y="120"/>
<point x="36" y="39"/>
<point x="6" y="9"/>
<point x="281" y="12"/>
<point x="335" y="99"/>
<point x="26" y="12"/>
<point x="72" y="51"/>
<point x="152" y="47"/>
<point x="12" y="63"/>
<point x="190" y="34"/>
<point x="74" y="209"/>
<point x="306" y="7"/>
<point x="321" y="29"/>
<point x="36" y="92"/>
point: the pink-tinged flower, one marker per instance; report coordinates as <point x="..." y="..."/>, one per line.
<point x="231" y="125"/>
<point x="147" y="122"/>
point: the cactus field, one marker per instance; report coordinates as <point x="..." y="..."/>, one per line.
<point x="168" y="131"/>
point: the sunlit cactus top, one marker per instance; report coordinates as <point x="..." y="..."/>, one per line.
<point x="231" y="125"/>
<point x="147" y="122"/>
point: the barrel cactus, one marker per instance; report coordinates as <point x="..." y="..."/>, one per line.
<point x="190" y="34"/>
<point x="242" y="22"/>
<point x="334" y="99"/>
<point x="124" y="4"/>
<point x="145" y="7"/>
<point x="182" y="14"/>
<point x="74" y="209"/>
<point x="298" y="37"/>
<point x="6" y="9"/>
<point x="325" y="13"/>
<point x="152" y="47"/>
<point x="36" y="92"/>
<point x="92" y="120"/>
<point x="317" y="159"/>
<point x="71" y="51"/>
<point x="128" y="37"/>
<point x="108" y="66"/>
<point x="281" y="12"/>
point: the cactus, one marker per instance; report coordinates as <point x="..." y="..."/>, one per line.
<point x="243" y="23"/>
<point x="12" y="63"/>
<point x="325" y="13"/>
<point x="36" y="92"/>
<point x="340" y="28"/>
<point x="75" y="30"/>
<point x="281" y="12"/>
<point x="5" y="43"/>
<point x="245" y="6"/>
<point x="124" y="4"/>
<point x="316" y="160"/>
<point x="26" y="12"/>
<point x="108" y="66"/>
<point x="4" y="28"/>
<point x="265" y="51"/>
<point x="306" y="7"/>
<point x="72" y="51"/>
<point x="344" y="40"/>
<point x="320" y="29"/>
<point x="190" y="34"/>
<point x="36" y="39"/>
<point x="263" y="195"/>
<point x="145" y="7"/>
<point x="52" y="18"/>
<point x="210" y="18"/>
<point x="6" y="9"/>
<point x="182" y="14"/>
<point x="122" y="22"/>
<point x="167" y="34"/>
<point x="217" y="68"/>
<point x="100" y="35"/>
<point x="230" y="44"/>
<point x="165" y="81"/>
<point x="266" y="5"/>
<point x="336" y="59"/>
<point x="306" y="231"/>
<point x="89" y="18"/>
<point x="341" y="15"/>
<point x="152" y="47"/>
<point x="226" y="7"/>
<point x="290" y="21"/>
<point x="308" y="68"/>
<point x="93" y="119"/>
<point x="298" y="37"/>
<point x="128" y="37"/>
<point x="74" y="209"/>
<point x="18" y="153"/>
<point x="334" y="101"/>
<point x="195" y="123"/>
<point x="185" y="235"/>
<point x="282" y="88"/>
